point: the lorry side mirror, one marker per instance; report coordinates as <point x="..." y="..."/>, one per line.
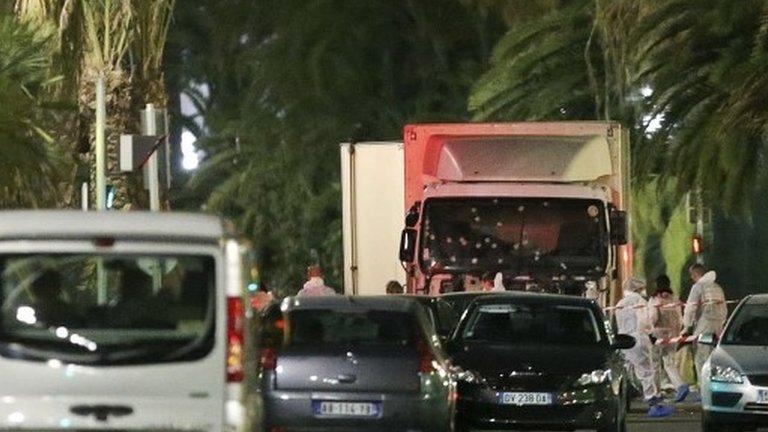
<point x="412" y="217"/>
<point x="619" y="228"/>
<point x="408" y="245"/>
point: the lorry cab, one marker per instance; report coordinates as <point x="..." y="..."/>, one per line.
<point x="119" y="321"/>
<point x="542" y="203"/>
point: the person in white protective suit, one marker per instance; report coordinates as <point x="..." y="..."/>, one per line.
<point x="632" y="319"/>
<point x="705" y="311"/>
<point x="665" y="317"/>
<point x="315" y="286"/>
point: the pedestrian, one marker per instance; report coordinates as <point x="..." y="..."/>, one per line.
<point x="632" y="319"/>
<point x="262" y="298"/>
<point x="665" y="317"/>
<point x="705" y="311"/>
<point x="394" y="287"/>
<point x="493" y="282"/>
<point x="315" y="285"/>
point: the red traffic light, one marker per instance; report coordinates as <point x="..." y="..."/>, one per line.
<point x="697" y="244"/>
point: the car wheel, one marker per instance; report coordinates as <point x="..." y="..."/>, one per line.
<point x="710" y="426"/>
<point x="619" y="423"/>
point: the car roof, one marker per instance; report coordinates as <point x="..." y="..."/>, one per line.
<point x="528" y="297"/>
<point x="759" y="299"/>
<point x="350" y="303"/>
<point x="140" y="225"/>
<point x="468" y="294"/>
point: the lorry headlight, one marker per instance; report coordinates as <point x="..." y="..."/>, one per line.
<point x="595" y="377"/>
<point x="725" y="374"/>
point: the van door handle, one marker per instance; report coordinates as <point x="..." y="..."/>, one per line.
<point x="347" y="378"/>
<point x="101" y="412"/>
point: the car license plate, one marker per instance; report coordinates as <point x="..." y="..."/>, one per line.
<point x="346" y="409"/>
<point x="762" y="396"/>
<point x="526" y="398"/>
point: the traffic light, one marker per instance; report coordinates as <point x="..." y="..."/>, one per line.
<point x="697" y="244"/>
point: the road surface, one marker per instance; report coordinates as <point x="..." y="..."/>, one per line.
<point x="680" y="422"/>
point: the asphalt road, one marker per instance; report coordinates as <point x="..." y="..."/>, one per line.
<point x="680" y="422"/>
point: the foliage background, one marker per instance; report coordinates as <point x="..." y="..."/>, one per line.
<point x="278" y="84"/>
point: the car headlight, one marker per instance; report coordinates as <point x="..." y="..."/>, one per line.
<point x="467" y="376"/>
<point x="595" y="377"/>
<point x="725" y="374"/>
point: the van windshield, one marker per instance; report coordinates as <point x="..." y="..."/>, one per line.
<point x="116" y="309"/>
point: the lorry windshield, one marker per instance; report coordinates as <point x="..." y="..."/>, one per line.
<point x="116" y="309"/>
<point x="524" y="235"/>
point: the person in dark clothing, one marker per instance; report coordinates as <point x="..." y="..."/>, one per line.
<point x="48" y="300"/>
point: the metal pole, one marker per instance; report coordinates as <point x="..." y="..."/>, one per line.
<point x="153" y="180"/>
<point x="84" y="196"/>
<point x="101" y="147"/>
<point x="101" y="181"/>
<point x="700" y="222"/>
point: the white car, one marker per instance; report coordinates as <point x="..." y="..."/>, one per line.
<point x="734" y="382"/>
<point x="119" y="321"/>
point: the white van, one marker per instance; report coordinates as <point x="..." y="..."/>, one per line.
<point x="119" y="321"/>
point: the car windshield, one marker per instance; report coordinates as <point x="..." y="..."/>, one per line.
<point x="92" y="309"/>
<point x="533" y="324"/>
<point x="527" y="234"/>
<point x="319" y="328"/>
<point x="749" y="326"/>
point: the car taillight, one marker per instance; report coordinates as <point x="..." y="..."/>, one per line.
<point x="268" y="359"/>
<point x="235" y="325"/>
<point x="426" y="358"/>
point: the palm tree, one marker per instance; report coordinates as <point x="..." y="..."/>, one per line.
<point x="31" y="164"/>
<point x="122" y="42"/>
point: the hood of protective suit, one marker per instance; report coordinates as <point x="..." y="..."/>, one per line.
<point x="315" y="286"/>
<point x="708" y="278"/>
<point x="498" y="282"/>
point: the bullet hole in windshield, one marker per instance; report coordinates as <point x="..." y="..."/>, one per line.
<point x="500" y="260"/>
<point x="499" y="224"/>
<point x="432" y="237"/>
<point x="495" y="200"/>
<point x="545" y="203"/>
<point x="478" y="245"/>
<point x="521" y="209"/>
<point x="449" y="240"/>
<point x="463" y="241"/>
<point x="474" y="260"/>
<point x="516" y="246"/>
<point x="477" y="218"/>
<point x="453" y="258"/>
<point x="473" y="210"/>
<point x="494" y="246"/>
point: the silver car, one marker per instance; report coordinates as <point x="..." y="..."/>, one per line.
<point x="734" y="382"/>
<point x="351" y="364"/>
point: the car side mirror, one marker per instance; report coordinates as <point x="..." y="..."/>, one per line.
<point x="707" y="339"/>
<point x="408" y="245"/>
<point x="623" y="342"/>
<point x="619" y="227"/>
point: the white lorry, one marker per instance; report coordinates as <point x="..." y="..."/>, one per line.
<point x="543" y="203"/>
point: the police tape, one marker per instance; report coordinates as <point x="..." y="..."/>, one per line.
<point x="679" y="340"/>
<point x="671" y="305"/>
